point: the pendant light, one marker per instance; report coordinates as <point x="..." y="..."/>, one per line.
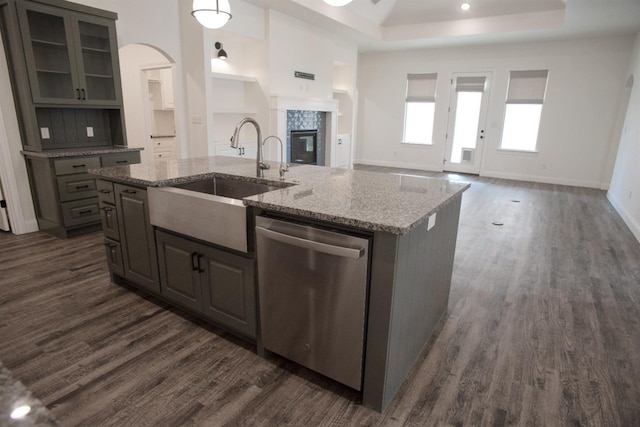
<point x="211" y="13"/>
<point x="337" y="2"/>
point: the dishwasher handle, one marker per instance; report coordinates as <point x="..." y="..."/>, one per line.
<point x="313" y="245"/>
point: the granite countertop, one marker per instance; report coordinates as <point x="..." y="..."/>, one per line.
<point x="76" y="152"/>
<point x="13" y="394"/>
<point x="368" y="200"/>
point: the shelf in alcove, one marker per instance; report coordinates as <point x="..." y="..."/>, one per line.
<point x="48" y="43"/>
<point x="340" y="91"/>
<point x="234" y="77"/>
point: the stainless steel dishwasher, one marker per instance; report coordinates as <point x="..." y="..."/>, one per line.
<point x="313" y="293"/>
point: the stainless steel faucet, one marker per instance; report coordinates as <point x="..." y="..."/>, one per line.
<point x="284" y="167"/>
<point x="235" y="140"/>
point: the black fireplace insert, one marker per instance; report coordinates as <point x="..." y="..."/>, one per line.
<point x="304" y="147"/>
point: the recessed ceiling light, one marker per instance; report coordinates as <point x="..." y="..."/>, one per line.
<point x="465" y="6"/>
<point x="337" y="2"/>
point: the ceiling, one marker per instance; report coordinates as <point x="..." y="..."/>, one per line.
<point x="405" y="24"/>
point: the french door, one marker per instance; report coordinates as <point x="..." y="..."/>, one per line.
<point x="467" y="122"/>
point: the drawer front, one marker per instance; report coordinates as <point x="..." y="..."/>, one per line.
<point x="105" y="191"/>
<point x="75" y="165"/>
<point x="114" y="256"/>
<point x="80" y="212"/>
<point x="120" y="159"/>
<point x="109" y="220"/>
<point x="164" y="143"/>
<point x="75" y="187"/>
<point x="162" y="155"/>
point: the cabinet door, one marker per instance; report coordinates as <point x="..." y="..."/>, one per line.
<point x="98" y="68"/>
<point x="136" y="233"/>
<point x="228" y="290"/>
<point x="49" y="52"/>
<point x="109" y="219"/>
<point x="179" y="270"/>
<point x="114" y="256"/>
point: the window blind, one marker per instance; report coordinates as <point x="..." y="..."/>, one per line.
<point x="470" y="84"/>
<point x="421" y="87"/>
<point x="527" y="87"/>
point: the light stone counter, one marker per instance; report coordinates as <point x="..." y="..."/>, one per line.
<point x="368" y="200"/>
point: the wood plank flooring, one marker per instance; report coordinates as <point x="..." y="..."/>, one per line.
<point x="543" y="329"/>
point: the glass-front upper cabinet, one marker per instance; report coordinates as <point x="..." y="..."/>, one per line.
<point x="71" y="57"/>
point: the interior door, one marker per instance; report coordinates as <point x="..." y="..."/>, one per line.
<point x="467" y="122"/>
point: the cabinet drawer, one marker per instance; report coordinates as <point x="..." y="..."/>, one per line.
<point x="74" y="187"/>
<point x="120" y="159"/>
<point x="164" y="143"/>
<point x="162" y="155"/>
<point x="80" y="212"/>
<point x="114" y="256"/>
<point x="75" y="165"/>
<point x="105" y="191"/>
<point x="109" y="218"/>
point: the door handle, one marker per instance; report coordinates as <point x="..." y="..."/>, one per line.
<point x="194" y="262"/>
<point x="326" y="248"/>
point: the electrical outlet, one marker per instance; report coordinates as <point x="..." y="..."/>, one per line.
<point x="44" y="133"/>
<point x="90" y="132"/>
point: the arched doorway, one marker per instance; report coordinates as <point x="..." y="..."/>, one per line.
<point x="149" y="95"/>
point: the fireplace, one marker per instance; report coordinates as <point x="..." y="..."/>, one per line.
<point x="304" y="147"/>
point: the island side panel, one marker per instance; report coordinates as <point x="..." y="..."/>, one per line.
<point x="416" y="289"/>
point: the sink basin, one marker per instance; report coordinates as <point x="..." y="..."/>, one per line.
<point x="225" y="187"/>
<point x="210" y="210"/>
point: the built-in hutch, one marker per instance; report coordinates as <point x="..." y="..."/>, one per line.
<point x="63" y="63"/>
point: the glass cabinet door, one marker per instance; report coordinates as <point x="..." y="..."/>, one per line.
<point x="98" y="72"/>
<point x="49" y="54"/>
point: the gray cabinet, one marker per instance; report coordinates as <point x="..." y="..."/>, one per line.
<point x="65" y="73"/>
<point x="65" y="195"/>
<point x="136" y="237"/>
<point x="69" y="55"/>
<point x="218" y="285"/>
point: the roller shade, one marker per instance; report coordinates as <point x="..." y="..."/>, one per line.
<point x="527" y="87"/>
<point x="421" y="87"/>
<point x="470" y="84"/>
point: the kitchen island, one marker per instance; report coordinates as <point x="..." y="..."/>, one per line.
<point x="411" y="224"/>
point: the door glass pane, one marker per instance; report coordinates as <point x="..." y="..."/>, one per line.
<point x="465" y="132"/>
<point x="51" y="55"/>
<point x="96" y="58"/>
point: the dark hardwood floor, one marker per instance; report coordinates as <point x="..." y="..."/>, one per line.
<point x="543" y="329"/>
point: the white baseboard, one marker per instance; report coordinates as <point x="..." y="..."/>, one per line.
<point x="545" y="179"/>
<point x="417" y="166"/>
<point x="633" y="225"/>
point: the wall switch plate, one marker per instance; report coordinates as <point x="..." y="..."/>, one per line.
<point x="44" y="133"/>
<point x="431" y="222"/>
<point x="89" y="131"/>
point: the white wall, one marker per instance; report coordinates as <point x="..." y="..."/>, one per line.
<point x="624" y="192"/>
<point x="13" y="170"/>
<point x="578" y="119"/>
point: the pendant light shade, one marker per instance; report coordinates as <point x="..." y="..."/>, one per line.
<point x="337" y="2"/>
<point x="211" y="13"/>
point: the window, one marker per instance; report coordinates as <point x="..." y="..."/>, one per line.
<point x="523" y="110"/>
<point x="419" y="109"/>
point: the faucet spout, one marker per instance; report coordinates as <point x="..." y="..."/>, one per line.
<point x="235" y="141"/>
<point x="284" y="167"/>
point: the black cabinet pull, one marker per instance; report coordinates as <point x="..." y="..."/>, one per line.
<point x="78" y="94"/>
<point x="200" y="262"/>
<point x="80" y="187"/>
<point x="84" y="94"/>
<point x="106" y="209"/>
<point x="122" y="161"/>
<point x="84" y="212"/>
<point x="79" y="166"/>
<point x="129" y="191"/>
<point x="104" y="191"/>
<point x="194" y="262"/>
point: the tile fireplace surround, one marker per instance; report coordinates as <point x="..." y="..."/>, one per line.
<point x="290" y="113"/>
